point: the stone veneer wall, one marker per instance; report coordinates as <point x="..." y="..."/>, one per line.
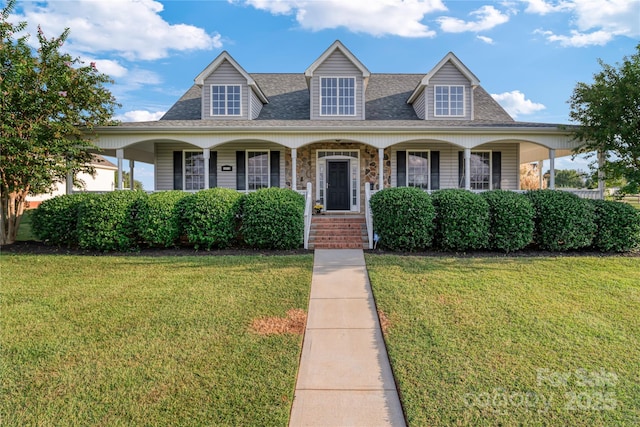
<point x="306" y="164"/>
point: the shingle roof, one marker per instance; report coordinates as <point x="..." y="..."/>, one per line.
<point x="288" y="94"/>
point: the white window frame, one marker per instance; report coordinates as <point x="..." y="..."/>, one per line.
<point x="184" y="170"/>
<point x="464" y="169"/>
<point x="338" y="98"/>
<point x="428" y="168"/>
<point x="246" y="168"/>
<point x="226" y="100"/>
<point x="435" y="101"/>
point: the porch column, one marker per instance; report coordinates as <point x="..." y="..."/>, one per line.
<point x="132" y="165"/>
<point x="69" y="183"/>
<point x="294" y="162"/>
<point x="540" y="173"/>
<point x="467" y="168"/>
<point x="381" y="168"/>
<point x="206" y="154"/>
<point x="601" y="183"/>
<point x="552" y="169"/>
<point x="120" y="157"/>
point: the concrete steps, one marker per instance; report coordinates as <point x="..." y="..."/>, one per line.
<point x="338" y="232"/>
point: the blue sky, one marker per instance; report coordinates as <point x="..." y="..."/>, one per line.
<point x="528" y="54"/>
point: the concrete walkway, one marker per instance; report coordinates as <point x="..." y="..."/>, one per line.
<point x="344" y="378"/>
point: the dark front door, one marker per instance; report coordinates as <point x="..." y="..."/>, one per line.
<point x="338" y="185"/>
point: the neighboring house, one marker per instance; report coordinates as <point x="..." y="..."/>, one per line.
<point x="336" y="126"/>
<point x="102" y="181"/>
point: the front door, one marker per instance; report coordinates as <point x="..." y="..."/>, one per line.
<point x="338" y="185"/>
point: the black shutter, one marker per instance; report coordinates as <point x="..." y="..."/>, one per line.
<point x="275" y="169"/>
<point x="435" y="170"/>
<point x="496" y="169"/>
<point x="241" y="183"/>
<point x="461" y="169"/>
<point x="401" y="170"/>
<point x="213" y="169"/>
<point x="177" y="170"/>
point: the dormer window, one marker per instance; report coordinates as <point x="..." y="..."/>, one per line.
<point x="449" y="101"/>
<point x="225" y="100"/>
<point x="337" y="96"/>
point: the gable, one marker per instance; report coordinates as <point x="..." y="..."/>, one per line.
<point x="337" y="64"/>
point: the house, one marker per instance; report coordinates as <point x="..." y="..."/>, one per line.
<point x="102" y="181"/>
<point x="337" y="126"/>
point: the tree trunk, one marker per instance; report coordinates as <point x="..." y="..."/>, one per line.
<point x="13" y="205"/>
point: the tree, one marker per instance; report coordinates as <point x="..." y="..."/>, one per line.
<point x="529" y="178"/>
<point x="49" y="104"/>
<point x="126" y="181"/>
<point x="569" y="178"/>
<point x="608" y="114"/>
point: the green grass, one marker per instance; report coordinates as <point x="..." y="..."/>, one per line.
<point x="147" y="341"/>
<point x="488" y="341"/>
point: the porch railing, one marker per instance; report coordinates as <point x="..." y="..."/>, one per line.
<point x="308" y="212"/>
<point x="367" y="212"/>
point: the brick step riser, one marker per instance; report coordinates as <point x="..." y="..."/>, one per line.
<point x="338" y="239"/>
<point x="339" y="246"/>
<point x="335" y="220"/>
<point x="334" y="226"/>
<point x="349" y="232"/>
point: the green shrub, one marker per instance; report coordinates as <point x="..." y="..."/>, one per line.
<point x="157" y="221"/>
<point x="462" y="220"/>
<point x="55" y="221"/>
<point x="209" y="217"/>
<point x="106" y="221"/>
<point x="403" y="218"/>
<point x="510" y="220"/>
<point x="273" y="218"/>
<point x="563" y="221"/>
<point x="617" y="226"/>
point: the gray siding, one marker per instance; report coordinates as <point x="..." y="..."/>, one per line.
<point x="336" y="65"/>
<point x="256" y="105"/>
<point x="228" y="75"/>
<point x="449" y="162"/>
<point x="418" y="105"/>
<point x="226" y="156"/>
<point x="448" y="74"/>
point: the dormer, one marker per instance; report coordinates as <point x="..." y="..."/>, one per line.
<point x="228" y="91"/>
<point x="446" y="92"/>
<point x="337" y="82"/>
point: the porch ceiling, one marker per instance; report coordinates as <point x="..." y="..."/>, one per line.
<point x="530" y="152"/>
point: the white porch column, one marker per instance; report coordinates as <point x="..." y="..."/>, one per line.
<point x="467" y="168"/>
<point x="69" y="183"/>
<point x="552" y="169"/>
<point x="206" y="154"/>
<point x="601" y="183"/>
<point x="132" y="165"/>
<point x="381" y="168"/>
<point x="294" y="166"/>
<point x="541" y="173"/>
<point x="120" y="157"/>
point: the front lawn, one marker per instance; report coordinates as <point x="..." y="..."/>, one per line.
<point x="513" y="341"/>
<point x="147" y="341"/>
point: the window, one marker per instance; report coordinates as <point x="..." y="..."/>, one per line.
<point x="193" y="170"/>
<point x="480" y="170"/>
<point x="225" y="100"/>
<point x="257" y="169"/>
<point x="449" y="100"/>
<point x="418" y="169"/>
<point x="337" y="96"/>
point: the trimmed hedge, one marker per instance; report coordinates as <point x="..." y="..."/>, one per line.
<point x="273" y="218"/>
<point x="617" y="226"/>
<point x="510" y="220"/>
<point x="106" y="221"/>
<point x="157" y="221"/>
<point x="209" y="217"/>
<point x="55" y="221"/>
<point x="462" y="220"/>
<point x="403" y="218"/>
<point x="563" y="221"/>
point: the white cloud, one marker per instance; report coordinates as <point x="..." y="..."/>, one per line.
<point x="488" y="17"/>
<point x="515" y="103"/>
<point x="108" y="66"/>
<point x="597" y="22"/>
<point x="140" y="116"/>
<point x="487" y="40"/>
<point x="132" y="29"/>
<point x="381" y="17"/>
